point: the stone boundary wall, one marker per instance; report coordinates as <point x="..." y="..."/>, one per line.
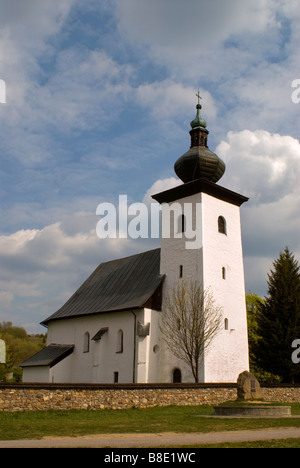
<point x="30" y="397"/>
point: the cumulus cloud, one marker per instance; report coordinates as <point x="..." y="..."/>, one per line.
<point x="168" y="98"/>
<point x="265" y="167"/>
<point x="245" y="52"/>
<point x="41" y="268"/>
<point x="76" y="96"/>
<point x="164" y="24"/>
<point x="65" y="103"/>
<point x="24" y="30"/>
<point x="204" y="41"/>
<point x="160" y="186"/>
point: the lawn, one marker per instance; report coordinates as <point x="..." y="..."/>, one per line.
<point x="38" y="424"/>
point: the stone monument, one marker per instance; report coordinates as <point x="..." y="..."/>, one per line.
<point x="248" y="387"/>
<point x="2" y="352"/>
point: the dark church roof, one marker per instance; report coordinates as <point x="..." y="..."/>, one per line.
<point x="49" y="356"/>
<point x="122" y="284"/>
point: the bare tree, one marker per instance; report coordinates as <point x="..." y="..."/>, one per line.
<point x="190" y="321"/>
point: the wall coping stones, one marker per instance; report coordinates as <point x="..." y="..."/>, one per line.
<point x="48" y="396"/>
<point x="119" y="386"/>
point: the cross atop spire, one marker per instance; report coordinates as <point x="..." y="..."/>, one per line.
<point x="198" y="121"/>
<point x="199" y="97"/>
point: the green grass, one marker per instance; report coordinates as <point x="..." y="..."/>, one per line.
<point x="283" y="443"/>
<point x="38" y="424"/>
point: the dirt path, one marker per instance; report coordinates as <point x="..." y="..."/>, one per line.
<point x="154" y="440"/>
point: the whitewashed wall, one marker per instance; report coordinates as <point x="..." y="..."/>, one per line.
<point x="173" y="255"/>
<point x="103" y="359"/>
<point x="228" y="355"/>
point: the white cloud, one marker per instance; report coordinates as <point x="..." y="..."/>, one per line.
<point x="24" y="29"/>
<point x="246" y="54"/>
<point x="77" y="97"/>
<point x="41" y="269"/>
<point x="15" y="242"/>
<point x="160" y="186"/>
<point x="168" y="99"/>
<point x="177" y="25"/>
<point x="85" y="86"/>
<point x="266" y="166"/>
<point x="41" y="18"/>
<point x="202" y="41"/>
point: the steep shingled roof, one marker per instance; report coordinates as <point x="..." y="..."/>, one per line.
<point x="121" y="284"/>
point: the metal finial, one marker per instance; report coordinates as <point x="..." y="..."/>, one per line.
<point x="199" y="97"/>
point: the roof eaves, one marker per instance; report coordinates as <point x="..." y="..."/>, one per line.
<point x="49" y="356"/>
<point x="100" y="333"/>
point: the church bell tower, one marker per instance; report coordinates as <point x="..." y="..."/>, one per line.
<point x="201" y="240"/>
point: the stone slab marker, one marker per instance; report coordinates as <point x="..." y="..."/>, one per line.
<point x="2" y="352"/>
<point x="248" y="387"/>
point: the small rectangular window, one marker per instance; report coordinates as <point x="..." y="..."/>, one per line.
<point x="116" y="377"/>
<point x="180" y="271"/>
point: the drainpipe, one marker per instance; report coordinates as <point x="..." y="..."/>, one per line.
<point x="134" y="348"/>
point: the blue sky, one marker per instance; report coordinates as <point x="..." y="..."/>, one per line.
<point x="100" y="94"/>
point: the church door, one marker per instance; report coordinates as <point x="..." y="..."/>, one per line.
<point x="177" y="376"/>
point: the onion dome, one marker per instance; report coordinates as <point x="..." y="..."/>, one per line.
<point x="199" y="162"/>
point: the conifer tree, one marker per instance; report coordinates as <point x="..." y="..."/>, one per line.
<point x="279" y="319"/>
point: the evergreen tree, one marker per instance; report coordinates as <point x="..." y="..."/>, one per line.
<point x="278" y="323"/>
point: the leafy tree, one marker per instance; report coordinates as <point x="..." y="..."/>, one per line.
<point x="278" y="320"/>
<point x="5" y="368"/>
<point x="189" y="323"/>
<point x="253" y="303"/>
<point x="19" y="347"/>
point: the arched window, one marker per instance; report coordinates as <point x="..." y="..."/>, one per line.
<point x="86" y="342"/>
<point x="222" y="225"/>
<point x="176" y="376"/>
<point x="223" y="273"/>
<point x="120" y="340"/>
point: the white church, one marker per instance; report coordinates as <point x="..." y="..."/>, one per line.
<point x="108" y="331"/>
